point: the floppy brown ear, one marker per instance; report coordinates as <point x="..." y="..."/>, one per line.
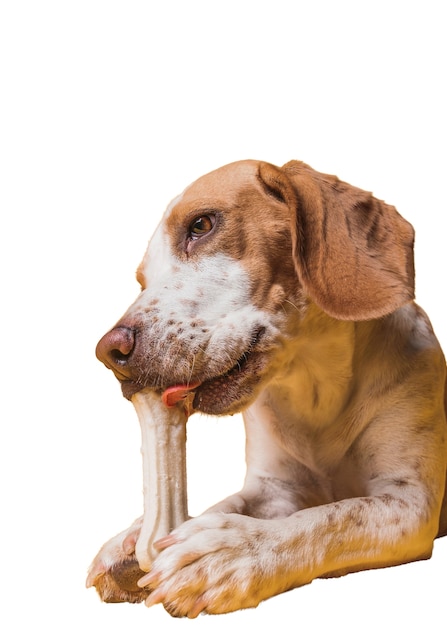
<point x="353" y="253"/>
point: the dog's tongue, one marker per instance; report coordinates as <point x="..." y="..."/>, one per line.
<point x="177" y="393"/>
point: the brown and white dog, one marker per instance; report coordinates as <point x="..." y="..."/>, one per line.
<point x="287" y="294"/>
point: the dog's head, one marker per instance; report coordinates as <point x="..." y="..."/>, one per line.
<point x="232" y="269"/>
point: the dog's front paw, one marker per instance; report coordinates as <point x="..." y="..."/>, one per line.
<point x="215" y="563"/>
<point x="115" y="570"/>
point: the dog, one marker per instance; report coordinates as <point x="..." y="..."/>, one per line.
<point x="287" y="295"/>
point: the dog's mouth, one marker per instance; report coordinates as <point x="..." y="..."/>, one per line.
<point x="226" y="391"/>
<point x="221" y="394"/>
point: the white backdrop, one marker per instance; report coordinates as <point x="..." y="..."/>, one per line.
<point x="108" y="109"/>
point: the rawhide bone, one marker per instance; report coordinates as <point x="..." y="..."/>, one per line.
<point x="163" y="435"/>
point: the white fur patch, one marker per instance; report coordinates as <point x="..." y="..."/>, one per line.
<point x="212" y="294"/>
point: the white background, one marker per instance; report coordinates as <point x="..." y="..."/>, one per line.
<point x="108" y="110"/>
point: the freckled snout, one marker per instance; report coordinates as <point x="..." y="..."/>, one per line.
<point x="115" y="349"/>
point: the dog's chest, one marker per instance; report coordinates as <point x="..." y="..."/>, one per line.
<point x="320" y="445"/>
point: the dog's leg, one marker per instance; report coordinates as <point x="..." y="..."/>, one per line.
<point x="220" y="562"/>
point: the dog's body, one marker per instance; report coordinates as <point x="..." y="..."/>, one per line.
<point x="288" y="295"/>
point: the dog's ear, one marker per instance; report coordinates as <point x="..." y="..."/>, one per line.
<point x="353" y="253"/>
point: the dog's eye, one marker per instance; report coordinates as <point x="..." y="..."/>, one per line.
<point x="201" y="226"/>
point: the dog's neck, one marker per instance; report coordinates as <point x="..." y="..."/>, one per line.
<point x="314" y="369"/>
<point x="315" y="382"/>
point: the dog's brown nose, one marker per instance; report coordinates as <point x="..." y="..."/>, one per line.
<point x="115" y="348"/>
